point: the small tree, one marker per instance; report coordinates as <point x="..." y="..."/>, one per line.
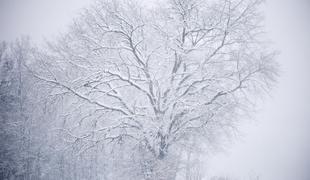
<point x="154" y="79"/>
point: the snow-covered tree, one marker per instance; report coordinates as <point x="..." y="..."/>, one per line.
<point x="146" y="81"/>
<point x="15" y="139"/>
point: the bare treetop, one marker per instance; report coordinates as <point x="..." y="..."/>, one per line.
<point x="162" y="74"/>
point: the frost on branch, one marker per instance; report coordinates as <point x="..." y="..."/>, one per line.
<point x="155" y="80"/>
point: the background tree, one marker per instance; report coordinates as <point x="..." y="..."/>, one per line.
<point x="15" y="128"/>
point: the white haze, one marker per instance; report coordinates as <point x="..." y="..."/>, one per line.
<point x="276" y="146"/>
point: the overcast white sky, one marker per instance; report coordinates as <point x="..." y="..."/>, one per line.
<point x="277" y="145"/>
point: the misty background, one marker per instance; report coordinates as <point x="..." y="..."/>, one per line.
<point x="277" y="144"/>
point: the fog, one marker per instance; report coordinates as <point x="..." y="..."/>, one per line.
<point x="274" y="145"/>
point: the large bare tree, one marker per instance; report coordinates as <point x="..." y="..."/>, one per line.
<point x="158" y="76"/>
